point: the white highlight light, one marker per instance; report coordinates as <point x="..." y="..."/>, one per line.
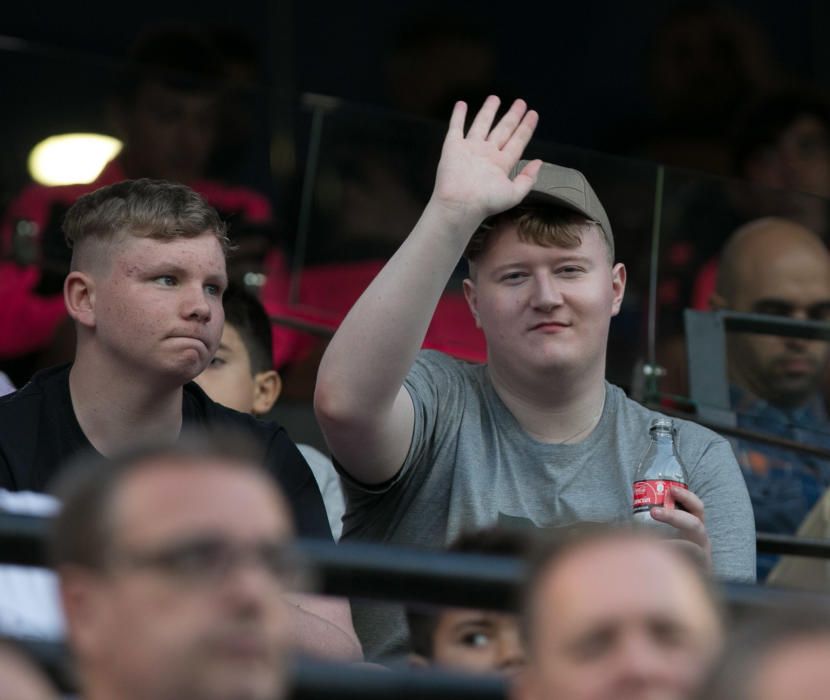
<point x="71" y="159"/>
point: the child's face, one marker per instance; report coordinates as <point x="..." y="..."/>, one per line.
<point x="228" y="379"/>
<point x="478" y="641"/>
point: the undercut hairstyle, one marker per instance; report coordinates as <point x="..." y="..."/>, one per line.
<point x="542" y="225"/>
<point x="248" y="317"/>
<point x="84" y="532"/>
<point x="143" y="208"/>
<point x="556" y="546"/>
<point x="755" y="643"/>
<point x="502" y="542"/>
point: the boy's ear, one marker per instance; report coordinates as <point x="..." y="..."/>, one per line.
<point x="79" y="297"/>
<point x="267" y="388"/>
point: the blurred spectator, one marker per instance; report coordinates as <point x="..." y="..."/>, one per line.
<point x="464" y="639"/>
<point x="164" y="110"/>
<point x="780" y="149"/>
<point x="241" y="376"/>
<point x="781" y="656"/>
<point x="775" y="266"/>
<point x="20" y="678"/>
<point x="708" y="61"/>
<point x="174" y="564"/>
<point x="611" y="615"/>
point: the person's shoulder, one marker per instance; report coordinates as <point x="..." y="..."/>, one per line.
<point x="689" y="433"/>
<point x="201" y="410"/>
<point x="41" y="385"/>
<point x="441" y="362"/>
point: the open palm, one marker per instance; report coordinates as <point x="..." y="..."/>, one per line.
<point x="473" y="174"/>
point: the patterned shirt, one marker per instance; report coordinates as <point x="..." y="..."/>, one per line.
<point x="783" y="485"/>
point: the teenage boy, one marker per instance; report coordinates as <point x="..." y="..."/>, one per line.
<point x="145" y="293"/>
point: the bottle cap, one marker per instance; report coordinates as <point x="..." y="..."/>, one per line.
<point x="663" y="424"/>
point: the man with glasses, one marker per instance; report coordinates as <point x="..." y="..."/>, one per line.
<point x="175" y="573"/>
<point x="775" y="266"/>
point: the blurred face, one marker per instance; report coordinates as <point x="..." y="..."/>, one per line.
<point x="158" y="306"/>
<point x="228" y="379"/>
<point x="799" y="160"/>
<point x="797" y="669"/>
<point x="477" y="641"/>
<point x="169" y="133"/>
<point x="619" y="620"/>
<point x="794" y="283"/>
<point x="545" y="308"/>
<point x="191" y="606"/>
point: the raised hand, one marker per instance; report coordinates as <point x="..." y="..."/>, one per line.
<point x="473" y="181"/>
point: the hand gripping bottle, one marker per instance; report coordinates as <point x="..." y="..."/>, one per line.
<point x="658" y="472"/>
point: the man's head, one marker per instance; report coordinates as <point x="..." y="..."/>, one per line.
<point x="172" y="562"/>
<point x="616" y="615"/>
<point x="543" y="285"/>
<point x="148" y="273"/>
<point x="784" y="143"/>
<point x="775" y="266"/>
<point x="479" y="641"/>
<point x="778" y="656"/>
<point x="167" y="104"/>
<point x="241" y="375"/>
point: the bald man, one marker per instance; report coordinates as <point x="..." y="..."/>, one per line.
<point x="775" y="266"/>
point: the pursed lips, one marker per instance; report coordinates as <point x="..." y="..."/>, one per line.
<point x="550" y="326"/>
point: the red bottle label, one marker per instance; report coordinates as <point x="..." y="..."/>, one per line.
<point x="654" y="492"/>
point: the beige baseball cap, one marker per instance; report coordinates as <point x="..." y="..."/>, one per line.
<point x="566" y="187"/>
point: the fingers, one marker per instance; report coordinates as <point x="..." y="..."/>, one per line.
<point x="521" y="136"/>
<point x="524" y="181"/>
<point x="459" y="114"/>
<point x="484" y="119"/>
<point x="502" y="132"/>
<point x="689" y="525"/>
<point x="689" y="501"/>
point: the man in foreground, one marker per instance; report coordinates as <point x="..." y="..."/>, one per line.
<point x="174" y="568"/>
<point x="429" y="445"/>
<point x="652" y="634"/>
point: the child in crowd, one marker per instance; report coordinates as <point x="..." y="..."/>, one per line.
<point x="462" y="639"/>
<point x="241" y="376"/>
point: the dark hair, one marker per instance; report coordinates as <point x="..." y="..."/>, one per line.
<point x="495" y="541"/>
<point x="149" y="208"/>
<point x="246" y="314"/>
<point x="757" y="641"/>
<point x="766" y="120"/>
<point x="543" y="225"/>
<point x="83" y="532"/>
<point x="179" y="57"/>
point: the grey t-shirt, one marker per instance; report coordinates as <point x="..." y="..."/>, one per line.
<point x="471" y="465"/>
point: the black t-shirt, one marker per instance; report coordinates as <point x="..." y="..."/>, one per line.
<point x="39" y="432"/>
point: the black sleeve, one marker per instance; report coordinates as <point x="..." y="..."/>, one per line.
<point x="287" y="465"/>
